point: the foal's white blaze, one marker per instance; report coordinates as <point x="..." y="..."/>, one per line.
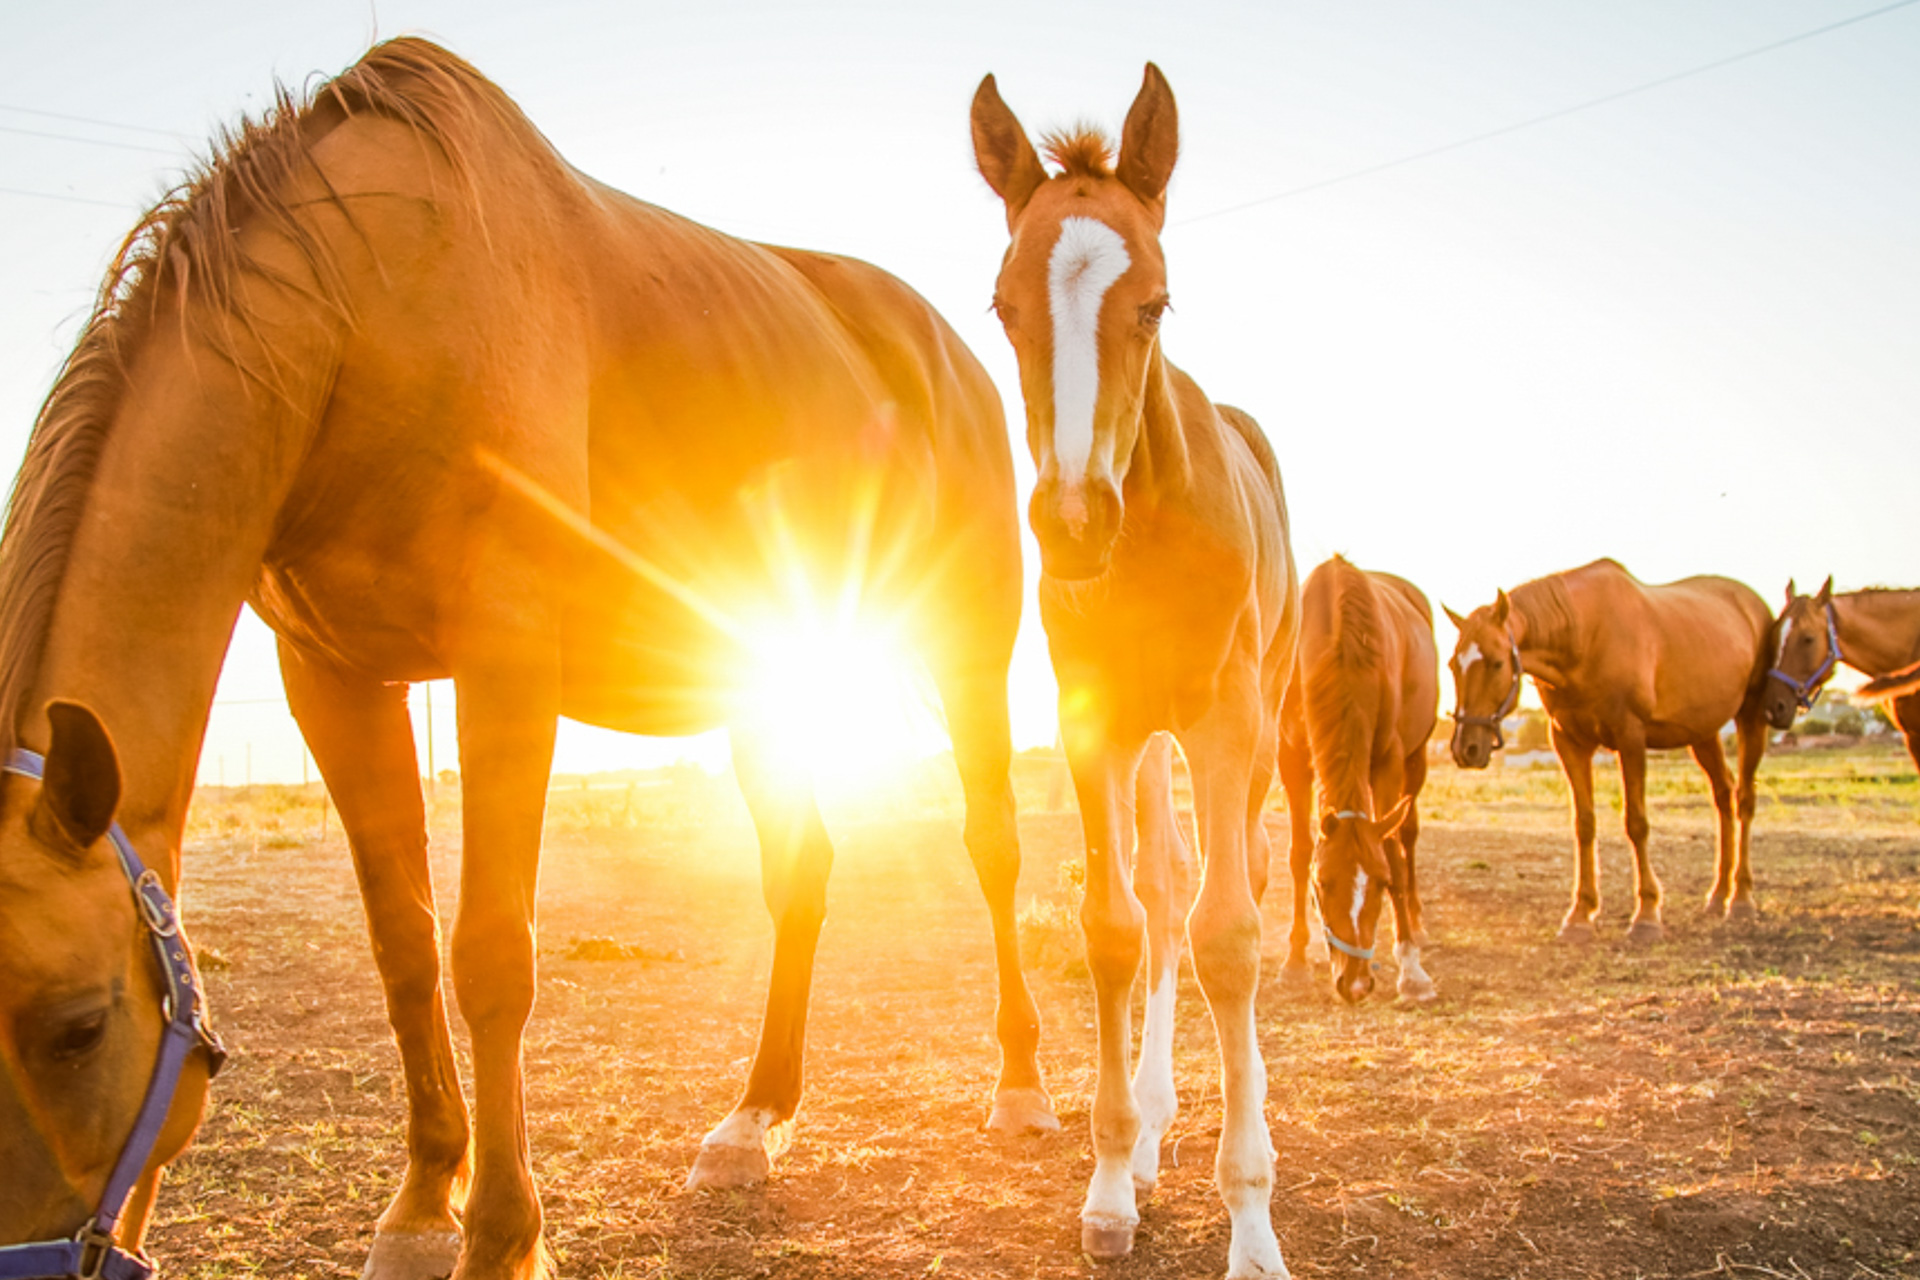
<point x="1153" y="1091"/>
<point x="1471" y="656"/>
<point x="1359" y="899"/>
<point x="1087" y="258"/>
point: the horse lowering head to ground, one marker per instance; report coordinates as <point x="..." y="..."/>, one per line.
<point x="1170" y="602"/>
<point x="1876" y="632"/>
<point x="1359" y="716"/>
<point x="437" y="404"/>
<point x="1628" y="667"/>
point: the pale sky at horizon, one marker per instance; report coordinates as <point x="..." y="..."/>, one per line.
<point x="1681" y="328"/>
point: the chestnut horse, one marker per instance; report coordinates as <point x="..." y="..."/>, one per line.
<point x="1876" y="632"/>
<point x="439" y="405"/>
<point x="1171" y="604"/>
<point x="1628" y="667"/>
<point x="1361" y="710"/>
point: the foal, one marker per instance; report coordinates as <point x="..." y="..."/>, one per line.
<point x="1171" y="603"/>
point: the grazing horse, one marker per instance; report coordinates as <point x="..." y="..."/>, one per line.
<point x="1171" y="604"/>
<point x="1628" y="667"/>
<point x="1359" y="714"/>
<point x="1876" y="632"/>
<point x="438" y="404"/>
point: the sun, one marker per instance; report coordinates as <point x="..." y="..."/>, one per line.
<point x="844" y="701"/>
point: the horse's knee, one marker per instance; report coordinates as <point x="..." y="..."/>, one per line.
<point x="1226" y="950"/>
<point x="493" y="969"/>
<point x="1637" y="829"/>
<point x="1585" y="828"/>
<point x="1115" y="931"/>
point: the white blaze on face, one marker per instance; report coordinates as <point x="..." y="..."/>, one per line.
<point x="1359" y="899"/>
<point x="1087" y="258"/>
<point x="1471" y="656"/>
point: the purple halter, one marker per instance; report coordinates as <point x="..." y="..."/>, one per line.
<point x="1507" y="704"/>
<point x="92" y="1254"/>
<point x="1805" y="691"/>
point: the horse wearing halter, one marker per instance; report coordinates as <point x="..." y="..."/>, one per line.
<point x="1805" y="691"/>
<point x="92" y="1254"/>
<point x="1393" y="887"/>
<point x="1507" y="704"/>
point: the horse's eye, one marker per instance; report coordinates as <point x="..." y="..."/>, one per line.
<point x="79" y="1037"/>
<point x="1151" y="313"/>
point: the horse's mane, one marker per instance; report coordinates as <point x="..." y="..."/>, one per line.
<point x="1343" y="685"/>
<point x="1551" y="623"/>
<point x="1081" y="152"/>
<point x="182" y="261"/>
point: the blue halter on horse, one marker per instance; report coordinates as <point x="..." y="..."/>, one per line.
<point x="1805" y="691"/>
<point x="1344" y="815"/>
<point x="92" y="1254"/>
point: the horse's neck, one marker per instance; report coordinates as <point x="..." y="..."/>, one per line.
<point x="1542" y="627"/>
<point x="177" y="520"/>
<point x="1161" y="470"/>
<point x="1879" y="630"/>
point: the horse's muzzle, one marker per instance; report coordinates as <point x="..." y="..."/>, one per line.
<point x="1353" y="981"/>
<point x="1472" y="746"/>
<point x="1781" y="705"/>
<point x="1076" y="525"/>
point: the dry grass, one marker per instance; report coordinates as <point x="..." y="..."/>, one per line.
<point x="1736" y="1102"/>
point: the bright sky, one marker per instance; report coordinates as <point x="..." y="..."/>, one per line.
<point x="1681" y="328"/>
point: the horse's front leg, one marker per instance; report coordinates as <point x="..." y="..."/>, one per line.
<point x="1224" y="932"/>
<point x="1753" y="731"/>
<point x="1646" y="926"/>
<point x="1713" y="763"/>
<point x="362" y="738"/>
<point x="1113" y="922"/>
<point x="1163" y="881"/>
<point x="1576" y="761"/>
<point x="795" y="858"/>
<point x="508" y="687"/>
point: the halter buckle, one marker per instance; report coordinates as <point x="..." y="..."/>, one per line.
<point x="96" y="1246"/>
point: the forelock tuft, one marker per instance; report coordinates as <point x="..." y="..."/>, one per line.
<point x="1081" y="152"/>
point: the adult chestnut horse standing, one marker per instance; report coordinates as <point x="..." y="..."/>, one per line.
<point x="1628" y="667"/>
<point x="1360" y="713"/>
<point x="1171" y="604"/>
<point x="440" y="405"/>
<point x="1876" y="632"/>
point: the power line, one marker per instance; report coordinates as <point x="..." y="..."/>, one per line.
<point x="95" y="142"/>
<point x="1590" y="103"/>
<point x="104" y="124"/>
<point x="49" y="195"/>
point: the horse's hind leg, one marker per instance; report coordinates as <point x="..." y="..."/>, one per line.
<point x="976" y="707"/>
<point x="795" y="859"/>
<point x="1163" y="881"/>
<point x="1906" y="714"/>
<point x="1646" y="926"/>
<point x="1295" y="760"/>
<point x="360" y="734"/>
<point x="1713" y="762"/>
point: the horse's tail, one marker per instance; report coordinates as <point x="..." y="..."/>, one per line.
<point x="1894" y="684"/>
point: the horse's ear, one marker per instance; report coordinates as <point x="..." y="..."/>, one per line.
<point x="81" y="786"/>
<point x="1459" y="623"/>
<point x="1826" y="592"/>
<point x="1790" y="595"/>
<point x="1502" y="609"/>
<point x="1006" y="158"/>
<point x="1150" y="140"/>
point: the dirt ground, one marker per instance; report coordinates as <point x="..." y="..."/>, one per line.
<point x="1734" y="1102"/>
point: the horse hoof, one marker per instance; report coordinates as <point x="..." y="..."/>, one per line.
<point x="1106" y="1238"/>
<point x="412" y="1255"/>
<point x="1419" y="993"/>
<point x="1143" y="1187"/>
<point x="1714" y="905"/>
<point x="1644" y="933"/>
<point x="720" y="1167"/>
<point x="1742" y="911"/>
<point x="1017" y="1111"/>
<point x="1576" y="932"/>
<point x="1296" y="974"/>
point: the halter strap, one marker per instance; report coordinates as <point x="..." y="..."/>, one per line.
<point x="92" y="1253"/>
<point x="1805" y="691"/>
<point x="1507" y="704"/>
<point x="1334" y="941"/>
